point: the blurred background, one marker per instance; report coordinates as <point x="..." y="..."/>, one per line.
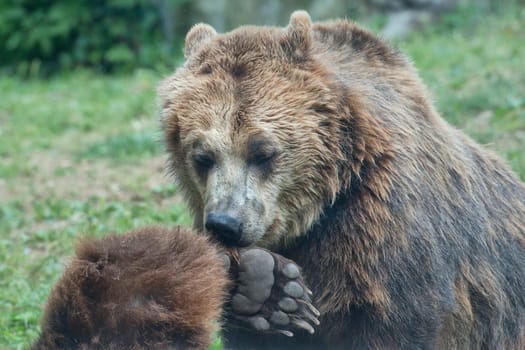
<point x="41" y="37"/>
<point x="80" y="146"/>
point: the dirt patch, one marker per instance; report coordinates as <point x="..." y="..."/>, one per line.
<point x="56" y="175"/>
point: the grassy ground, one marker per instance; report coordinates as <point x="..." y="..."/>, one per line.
<point x="79" y="154"/>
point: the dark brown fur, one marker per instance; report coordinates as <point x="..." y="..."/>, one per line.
<point x="411" y="235"/>
<point x="148" y="289"/>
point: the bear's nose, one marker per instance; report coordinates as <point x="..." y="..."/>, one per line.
<point x="227" y="228"/>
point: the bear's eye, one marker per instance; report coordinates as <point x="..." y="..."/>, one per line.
<point x="203" y="161"/>
<point x="205" y="69"/>
<point x="262" y="157"/>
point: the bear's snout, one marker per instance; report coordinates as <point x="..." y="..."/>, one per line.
<point x="226" y="228"/>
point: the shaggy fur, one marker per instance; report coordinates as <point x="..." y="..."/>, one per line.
<point x="411" y="235"/>
<point x="148" y="289"/>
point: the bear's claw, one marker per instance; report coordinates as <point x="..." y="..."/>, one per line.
<point x="270" y="294"/>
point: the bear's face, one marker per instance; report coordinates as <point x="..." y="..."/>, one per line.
<point x="249" y="127"/>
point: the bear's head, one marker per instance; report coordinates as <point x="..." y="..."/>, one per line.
<point x="253" y="123"/>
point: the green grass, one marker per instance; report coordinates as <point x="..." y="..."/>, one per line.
<point x="79" y="154"/>
<point x="474" y="65"/>
<point x="123" y="147"/>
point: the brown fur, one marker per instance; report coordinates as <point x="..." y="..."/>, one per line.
<point x="410" y="234"/>
<point x="152" y="288"/>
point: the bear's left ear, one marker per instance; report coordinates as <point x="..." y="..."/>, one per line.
<point x="300" y="30"/>
<point x="197" y="35"/>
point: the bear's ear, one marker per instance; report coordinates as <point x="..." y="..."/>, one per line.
<point x="197" y="35"/>
<point x="300" y="31"/>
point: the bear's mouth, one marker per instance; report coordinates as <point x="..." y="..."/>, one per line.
<point x="272" y="232"/>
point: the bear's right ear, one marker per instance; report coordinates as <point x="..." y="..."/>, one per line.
<point x="300" y="31"/>
<point x="197" y="35"/>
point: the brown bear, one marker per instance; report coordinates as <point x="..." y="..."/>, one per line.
<point x="320" y="143"/>
<point x="152" y="288"/>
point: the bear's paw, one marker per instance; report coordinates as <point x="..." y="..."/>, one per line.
<point x="271" y="295"/>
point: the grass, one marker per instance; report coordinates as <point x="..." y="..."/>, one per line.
<point x="80" y="153"/>
<point x="474" y="66"/>
<point x="122" y="147"/>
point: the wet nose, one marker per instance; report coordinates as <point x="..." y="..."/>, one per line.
<point x="227" y="228"/>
